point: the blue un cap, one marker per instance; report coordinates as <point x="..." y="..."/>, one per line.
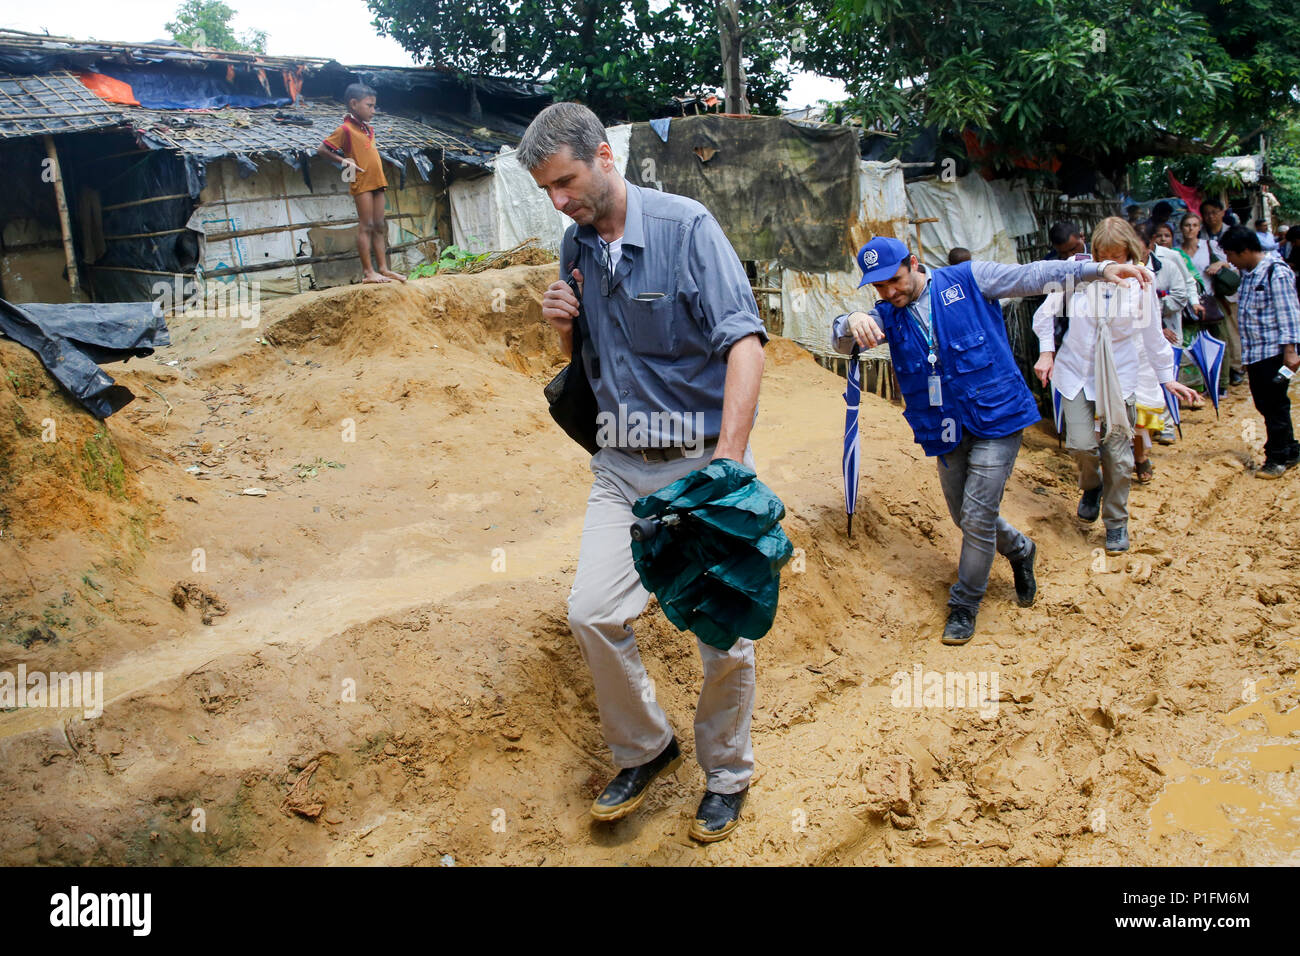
<point x="880" y="258"/>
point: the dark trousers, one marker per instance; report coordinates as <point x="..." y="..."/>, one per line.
<point x="1272" y="402"/>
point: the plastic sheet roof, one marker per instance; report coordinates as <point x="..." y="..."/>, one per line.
<point x="55" y="102"/>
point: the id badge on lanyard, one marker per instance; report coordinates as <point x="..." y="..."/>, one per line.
<point x="935" y="384"/>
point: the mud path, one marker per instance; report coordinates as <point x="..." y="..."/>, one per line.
<point x="396" y="627"/>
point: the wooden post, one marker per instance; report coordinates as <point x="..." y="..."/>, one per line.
<point x="288" y="217"/>
<point x="65" y="221"/>
<point x="920" y="253"/>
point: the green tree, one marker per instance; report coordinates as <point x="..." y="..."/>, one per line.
<point x="1284" y="165"/>
<point x="626" y="59"/>
<point x="1258" y="43"/>
<point x="206" y="23"/>
<point x="1089" y="78"/>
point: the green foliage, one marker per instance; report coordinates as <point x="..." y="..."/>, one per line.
<point x="1148" y="180"/>
<point x="1036" y="77"/>
<point x="625" y="60"/>
<point x="1259" y="42"/>
<point x="104" y="469"/>
<point x="1284" y="164"/>
<point x="453" y="259"/>
<point x="206" y="23"/>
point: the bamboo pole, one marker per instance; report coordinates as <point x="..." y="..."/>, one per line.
<point x="143" y="272"/>
<point x="293" y="226"/>
<point x="141" y="202"/>
<point x="305" y="260"/>
<point x="288" y="215"/>
<point x="146" y="235"/>
<point x="65" y="221"/>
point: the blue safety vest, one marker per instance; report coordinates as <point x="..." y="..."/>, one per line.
<point x="983" y="390"/>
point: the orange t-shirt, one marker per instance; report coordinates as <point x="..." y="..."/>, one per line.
<point x="356" y="140"/>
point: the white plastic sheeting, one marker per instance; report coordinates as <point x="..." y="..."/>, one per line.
<point x="983" y="217"/>
<point x="809" y="301"/>
<point x="503" y="209"/>
<point x="972" y="212"/>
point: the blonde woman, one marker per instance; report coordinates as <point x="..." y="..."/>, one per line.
<point x="1097" y="375"/>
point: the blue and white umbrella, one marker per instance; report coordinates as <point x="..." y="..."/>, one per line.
<point x="1058" y="415"/>
<point x="1207" y="352"/>
<point x="852" y="399"/>
<point x="1171" y="400"/>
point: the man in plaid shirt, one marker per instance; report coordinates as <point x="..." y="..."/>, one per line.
<point x="1268" y="314"/>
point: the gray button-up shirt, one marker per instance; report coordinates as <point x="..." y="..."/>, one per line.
<point x="679" y="299"/>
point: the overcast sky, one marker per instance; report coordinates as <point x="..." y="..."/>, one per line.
<point x="321" y="28"/>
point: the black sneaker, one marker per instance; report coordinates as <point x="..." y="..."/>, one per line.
<point x="626" y="791"/>
<point x="1023" y="572"/>
<point x="960" y="627"/>
<point x="718" y="815"/>
<point x="1274" y="469"/>
<point x="1235" y="377"/>
<point x="1090" y="505"/>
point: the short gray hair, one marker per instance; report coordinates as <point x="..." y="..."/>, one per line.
<point x="561" y="124"/>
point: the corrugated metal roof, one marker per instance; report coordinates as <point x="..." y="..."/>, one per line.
<point x="55" y="102"/>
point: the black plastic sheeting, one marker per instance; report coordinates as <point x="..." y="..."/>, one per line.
<point x="383" y="81"/>
<point x="72" y="339"/>
<point x="57" y="55"/>
<point x="781" y="190"/>
<point x="125" y="179"/>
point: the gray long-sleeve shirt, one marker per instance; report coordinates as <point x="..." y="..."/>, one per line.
<point x="664" y="323"/>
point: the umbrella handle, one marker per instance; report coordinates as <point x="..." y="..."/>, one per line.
<point x="643" y="529"/>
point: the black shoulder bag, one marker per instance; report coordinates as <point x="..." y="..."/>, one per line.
<point x="570" y="396"/>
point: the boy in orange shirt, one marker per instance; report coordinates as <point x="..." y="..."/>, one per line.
<point x="353" y="146"/>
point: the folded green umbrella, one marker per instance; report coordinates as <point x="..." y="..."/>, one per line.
<point x="710" y="548"/>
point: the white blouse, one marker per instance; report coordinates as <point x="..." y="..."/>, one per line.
<point x="1134" y="316"/>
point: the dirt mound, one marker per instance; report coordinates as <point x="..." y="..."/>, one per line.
<point x="394" y="680"/>
<point x="60" y="467"/>
<point x="71" y="504"/>
<point x="496" y="313"/>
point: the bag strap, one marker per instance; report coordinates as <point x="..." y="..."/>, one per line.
<point x="582" y="334"/>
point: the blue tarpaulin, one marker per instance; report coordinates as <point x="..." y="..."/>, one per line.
<point x="175" y="90"/>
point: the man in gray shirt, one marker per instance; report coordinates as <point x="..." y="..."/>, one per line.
<point x="679" y="358"/>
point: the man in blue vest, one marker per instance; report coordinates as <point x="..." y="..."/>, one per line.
<point x="964" y="395"/>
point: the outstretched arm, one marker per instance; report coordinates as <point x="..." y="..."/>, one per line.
<point x="1000" y="280"/>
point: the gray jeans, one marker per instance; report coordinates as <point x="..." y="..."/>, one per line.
<point x="973" y="476"/>
<point x="607" y="595"/>
<point x="1108" y="463"/>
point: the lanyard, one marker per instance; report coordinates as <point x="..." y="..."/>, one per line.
<point x="926" y="330"/>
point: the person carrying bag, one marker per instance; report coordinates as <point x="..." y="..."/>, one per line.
<point x="569" y="395"/>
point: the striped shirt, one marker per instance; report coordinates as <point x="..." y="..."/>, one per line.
<point x="1268" y="311"/>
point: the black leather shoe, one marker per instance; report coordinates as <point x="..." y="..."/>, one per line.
<point x="626" y="791"/>
<point x="960" y="627"/>
<point x="1090" y="505"/>
<point x="718" y="815"/>
<point x="1023" y="572"/>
